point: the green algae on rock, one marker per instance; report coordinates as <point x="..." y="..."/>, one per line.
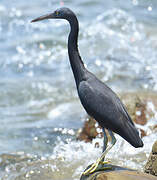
<point x="151" y="165"/>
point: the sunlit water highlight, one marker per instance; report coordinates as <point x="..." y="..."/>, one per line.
<point x="39" y="108"/>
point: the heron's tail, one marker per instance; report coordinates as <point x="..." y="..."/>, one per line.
<point x="131" y="134"/>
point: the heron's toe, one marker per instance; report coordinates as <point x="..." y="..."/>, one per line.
<point x="97" y="166"/>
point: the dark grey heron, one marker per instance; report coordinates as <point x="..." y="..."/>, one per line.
<point x="99" y="101"/>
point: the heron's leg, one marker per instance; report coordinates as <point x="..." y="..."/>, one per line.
<point x="105" y="140"/>
<point x="98" y="164"/>
<point x="113" y="141"/>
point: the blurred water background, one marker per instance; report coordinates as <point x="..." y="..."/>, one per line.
<point x="39" y="108"/>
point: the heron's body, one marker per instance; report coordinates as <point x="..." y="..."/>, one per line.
<point x="102" y="104"/>
<point x="98" y="99"/>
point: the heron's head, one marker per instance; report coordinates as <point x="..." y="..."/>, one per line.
<point x="62" y="13"/>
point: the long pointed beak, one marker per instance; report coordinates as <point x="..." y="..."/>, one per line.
<point x="47" y="16"/>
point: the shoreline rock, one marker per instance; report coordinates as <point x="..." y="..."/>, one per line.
<point x="118" y="173"/>
<point x="151" y="165"/>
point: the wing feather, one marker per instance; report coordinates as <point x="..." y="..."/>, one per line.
<point x="104" y="106"/>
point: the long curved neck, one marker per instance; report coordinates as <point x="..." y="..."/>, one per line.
<point x="75" y="59"/>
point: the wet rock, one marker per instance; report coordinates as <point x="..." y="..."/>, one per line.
<point x="151" y="165"/>
<point x="90" y="130"/>
<point x="154" y="148"/>
<point x="140" y="112"/>
<point x="143" y="133"/>
<point x="136" y="106"/>
<point x="6" y="159"/>
<point x="155" y="127"/>
<point x="118" y="173"/>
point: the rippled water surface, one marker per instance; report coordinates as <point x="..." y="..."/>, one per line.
<point x="39" y="109"/>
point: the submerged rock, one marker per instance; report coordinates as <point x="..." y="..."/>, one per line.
<point x="23" y="166"/>
<point x="118" y="173"/>
<point x="151" y="165"/>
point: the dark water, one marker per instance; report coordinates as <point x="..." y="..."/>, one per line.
<point x="39" y="108"/>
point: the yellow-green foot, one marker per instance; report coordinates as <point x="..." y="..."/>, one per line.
<point x="105" y="162"/>
<point x="97" y="166"/>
